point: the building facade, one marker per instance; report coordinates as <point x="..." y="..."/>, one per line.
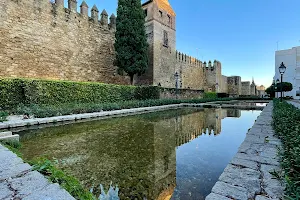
<point x="291" y="59"/>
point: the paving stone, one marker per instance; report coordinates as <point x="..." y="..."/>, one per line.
<point x="245" y="163"/>
<point x="5" y="192"/>
<point x="259" y="197"/>
<point x="50" y="192"/>
<point x="243" y="177"/>
<point x="230" y="191"/>
<point x="14" y="171"/>
<point x="262" y="160"/>
<point x="213" y="196"/>
<point x="273" y="188"/>
<point x="266" y="169"/>
<point x="8" y="160"/>
<point x="28" y="184"/>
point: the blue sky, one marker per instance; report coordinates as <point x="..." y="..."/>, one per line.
<point x="242" y="34"/>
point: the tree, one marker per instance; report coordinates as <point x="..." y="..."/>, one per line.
<point x="271" y="91"/>
<point x="286" y="87"/>
<point x="131" y="41"/>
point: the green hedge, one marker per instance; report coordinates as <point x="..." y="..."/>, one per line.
<point x="14" y="92"/>
<point x="210" y="95"/>
<point x="286" y="125"/>
<point x="42" y="111"/>
<point x="11" y="93"/>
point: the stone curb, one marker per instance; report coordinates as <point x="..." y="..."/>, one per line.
<point x="248" y="175"/>
<point x="132" y="111"/>
<point x="18" y="181"/>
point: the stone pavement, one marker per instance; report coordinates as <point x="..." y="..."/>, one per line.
<point x="248" y="176"/>
<point x="18" y="181"/>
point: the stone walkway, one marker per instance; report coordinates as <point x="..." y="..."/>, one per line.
<point x="248" y="174"/>
<point x="18" y="181"/>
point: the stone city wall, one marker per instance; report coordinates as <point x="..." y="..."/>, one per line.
<point x="171" y="93"/>
<point x="191" y="72"/>
<point x="234" y="86"/>
<point x="245" y="88"/>
<point x="40" y="39"/>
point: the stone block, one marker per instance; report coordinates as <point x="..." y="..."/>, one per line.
<point x="7" y="133"/>
<point x="53" y="191"/>
<point x="28" y="184"/>
<point x="213" y="196"/>
<point x="10" y="138"/>
<point x="245" y="163"/>
<point x="242" y="177"/>
<point x="5" y="192"/>
<point x="227" y="190"/>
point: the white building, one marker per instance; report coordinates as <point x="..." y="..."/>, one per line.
<point x="291" y="59"/>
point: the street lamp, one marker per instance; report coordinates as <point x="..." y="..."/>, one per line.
<point x="282" y="69"/>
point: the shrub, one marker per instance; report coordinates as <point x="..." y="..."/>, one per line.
<point x="149" y="92"/>
<point x="18" y="92"/>
<point x="57" y="92"/>
<point x="286" y="125"/>
<point x="11" y="93"/>
<point x="210" y="95"/>
<point x="3" y="116"/>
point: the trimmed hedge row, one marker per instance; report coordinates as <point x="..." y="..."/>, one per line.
<point x="41" y="111"/>
<point x="14" y="92"/>
<point x="286" y="125"/>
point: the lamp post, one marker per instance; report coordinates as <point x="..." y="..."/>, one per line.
<point x="282" y="69"/>
<point x="277" y="81"/>
<point x="176" y="82"/>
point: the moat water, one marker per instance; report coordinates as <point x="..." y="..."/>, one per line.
<point x="175" y="154"/>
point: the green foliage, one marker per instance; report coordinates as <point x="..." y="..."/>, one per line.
<point x="210" y="95"/>
<point x="149" y="92"/>
<point x="57" y="92"/>
<point x="286" y="125"/>
<point x="23" y="92"/>
<point x="131" y="41"/>
<point x="42" y="111"/>
<point x="69" y="183"/>
<point x="286" y="87"/>
<point x="11" y="93"/>
<point x="3" y="116"/>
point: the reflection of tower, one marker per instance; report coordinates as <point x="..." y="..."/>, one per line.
<point x="165" y="157"/>
<point x="234" y="113"/>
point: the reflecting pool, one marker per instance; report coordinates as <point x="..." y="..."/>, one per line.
<point x="175" y="154"/>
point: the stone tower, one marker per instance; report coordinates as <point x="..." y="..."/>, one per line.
<point x="161" y="36"/>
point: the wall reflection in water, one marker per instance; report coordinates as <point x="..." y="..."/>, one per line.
<point x="139" y="153"/>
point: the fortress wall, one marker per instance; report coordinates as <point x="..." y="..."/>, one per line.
<point x="40" y="39"/>
<point x="190" y="71"/>
<point x="246" y="88"/>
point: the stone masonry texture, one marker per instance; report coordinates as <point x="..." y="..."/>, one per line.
<point x="39" y="39"/>
<point x="248" y="175"/>
<point x="19" y="181"/>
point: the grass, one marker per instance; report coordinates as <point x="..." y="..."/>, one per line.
<point x="286" y="123"/>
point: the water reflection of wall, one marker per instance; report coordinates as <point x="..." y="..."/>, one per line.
<point x="138" y="153"/>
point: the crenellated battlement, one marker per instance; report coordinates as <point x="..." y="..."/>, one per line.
<point x="181" y="57"/>
<point x="103" y="21"/>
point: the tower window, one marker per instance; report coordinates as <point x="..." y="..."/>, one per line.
<point x="146" y="12"/>
<point x="166" y="40"/>
<point x="160" y="13"/>
<point x="169" y="17"/>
